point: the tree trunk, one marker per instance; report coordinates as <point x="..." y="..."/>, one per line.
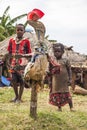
<point x="33" y="102"/>
<point x="79" y="90"/>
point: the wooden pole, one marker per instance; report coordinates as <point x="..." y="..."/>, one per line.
<point x="85" y="81"/>
<point x="73" y="80"/>
<point x="33" y="102"/>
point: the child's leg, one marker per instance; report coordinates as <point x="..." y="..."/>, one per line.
<point x="21" y="91"/>
<point x="16" y="92"/>
<point x="71" y="105"/>
<point x="59" y="108"/>
<point x="21" y="88"/>
<point x="15" y="86"/>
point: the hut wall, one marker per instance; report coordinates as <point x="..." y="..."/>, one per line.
<point x="85" y="81"/>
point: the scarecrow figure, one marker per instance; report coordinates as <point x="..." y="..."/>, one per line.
<point x="36" y="68"/>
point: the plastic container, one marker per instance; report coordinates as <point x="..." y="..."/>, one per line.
<point x="5" y="81"/>
<point x="37" y="12"/>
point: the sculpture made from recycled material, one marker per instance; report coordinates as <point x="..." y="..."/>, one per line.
<point x="36" y="68"/>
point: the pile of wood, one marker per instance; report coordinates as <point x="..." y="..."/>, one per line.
<point x="80" y="90"/>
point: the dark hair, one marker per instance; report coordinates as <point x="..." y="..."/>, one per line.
<point x="56" y="45"/>
<point x="20" y="24"/>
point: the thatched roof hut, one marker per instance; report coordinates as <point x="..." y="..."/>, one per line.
<point x="30" y="35"/>
<point x="78" y="61"/>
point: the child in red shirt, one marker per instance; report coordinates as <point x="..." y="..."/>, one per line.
<point x="18" y="45"/>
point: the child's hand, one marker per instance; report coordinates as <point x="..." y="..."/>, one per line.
<point x="56" y="70"/>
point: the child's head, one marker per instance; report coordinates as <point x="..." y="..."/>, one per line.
<point x="58" y="50"/>
<point x="20" y="29"/>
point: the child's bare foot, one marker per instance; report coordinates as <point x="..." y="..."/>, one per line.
<point x="18" y="101"/>
<point x="13" y="100"/>
<point x="72" y="109"/>
<point x="59" y="109"/>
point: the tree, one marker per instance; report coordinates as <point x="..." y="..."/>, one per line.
<point x="2" y="30"/>
<point x="8" y="24"/>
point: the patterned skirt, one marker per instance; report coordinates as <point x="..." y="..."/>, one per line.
<point x="59" y="99"/>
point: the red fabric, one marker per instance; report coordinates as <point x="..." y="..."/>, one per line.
<point x="20" y="50"/>
<point x="13" y="42"/>
<point x="60" y="99"/>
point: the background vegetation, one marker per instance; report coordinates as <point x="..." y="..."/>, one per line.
<point x="16" y="116"/>
<point x="7" y="24"/>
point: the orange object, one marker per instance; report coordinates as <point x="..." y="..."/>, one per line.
<point x="36" y="12"/>
<point x="10" y="71"/>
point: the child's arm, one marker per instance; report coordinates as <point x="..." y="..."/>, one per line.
<point x="53" y="65"/>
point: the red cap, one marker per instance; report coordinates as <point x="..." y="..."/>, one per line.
<point x="37" y="12"/>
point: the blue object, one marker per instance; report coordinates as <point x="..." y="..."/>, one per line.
<point x="28" y="30"/>
<point x="5" y="81"/>
<point x="1" y="84"/>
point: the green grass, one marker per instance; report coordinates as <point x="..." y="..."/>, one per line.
<point x="17" y="116"/>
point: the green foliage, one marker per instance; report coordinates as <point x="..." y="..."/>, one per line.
<point x="8" y="24"/>
<point x="2" y="37"/>
<point x="15" y="116"/>
<point x="2" y="30"/>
